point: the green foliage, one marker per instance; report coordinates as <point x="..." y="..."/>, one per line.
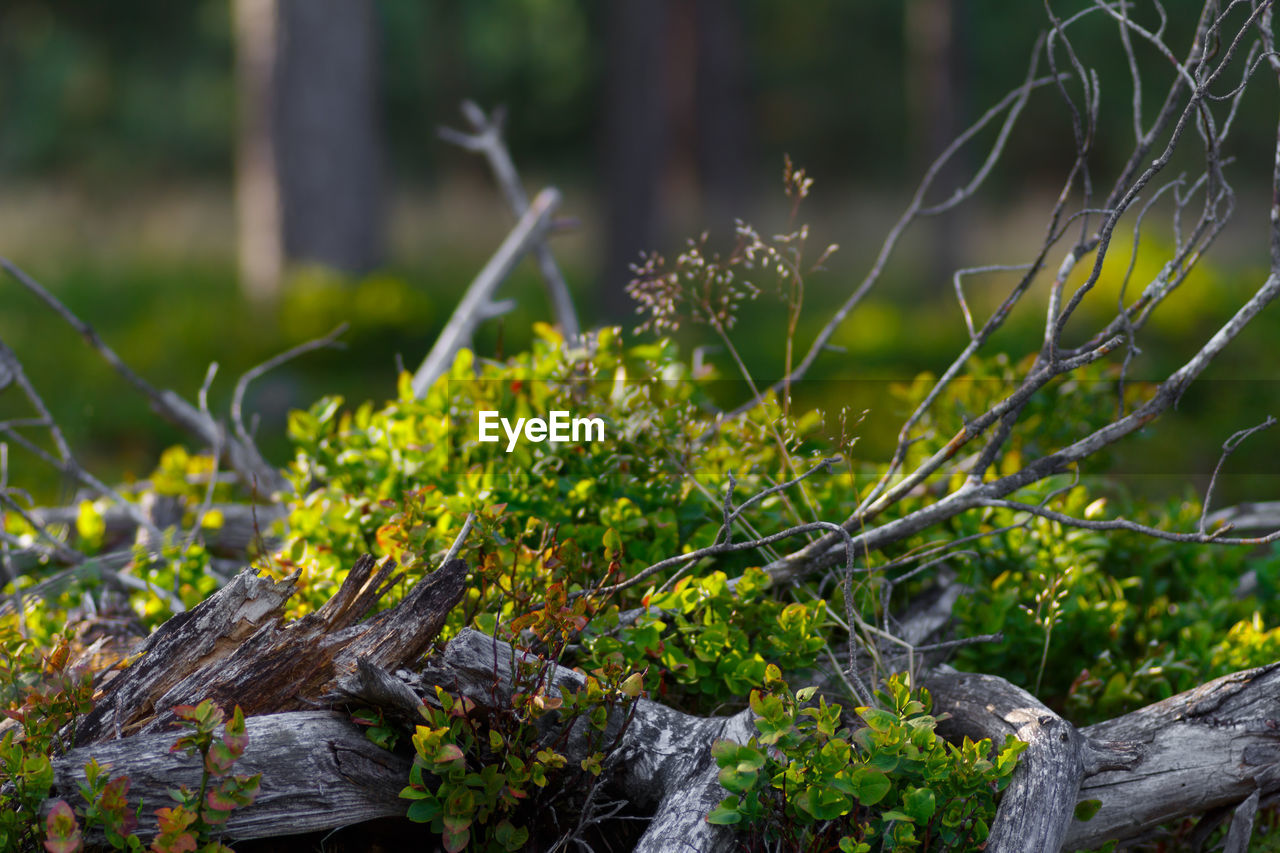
<point x="62" y="834"/>
<point x="554" y="523"/>
<point x="44" y="694"/>
<point x="397" y="481"/>
<point x="1147" y="618"/>
<point x="107" y="805"/>
<point x="191" y="825"/>
<point x="723" y="638"/>
<point x="806" y="782"/>
<point x="179" y="565"/>
<point x="199" y="814"/>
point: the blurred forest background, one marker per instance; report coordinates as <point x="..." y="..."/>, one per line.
<point x="218" y="180"/>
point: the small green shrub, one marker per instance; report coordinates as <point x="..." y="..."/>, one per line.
<point x="711" y="643"/>
<point x="806" y="782"/>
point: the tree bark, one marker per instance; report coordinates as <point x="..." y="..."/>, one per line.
<point x="634" y="139"/>
<point x="259" y="241"/>
<point x="318" y="770"/>
<point x="1209" y="747"/>
<point x="235" y="648"/>
<point x="663" y="756"/>
<point x="328" y="141"/>
<point x="1206" y="749"/>
<point x="1037" y="808"/>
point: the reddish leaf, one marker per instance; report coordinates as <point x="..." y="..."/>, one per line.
<point x="62" y="830"/>
<point x="174" y="819"/>
<point x="454" y="842"/>
<point x="114" y="795"/>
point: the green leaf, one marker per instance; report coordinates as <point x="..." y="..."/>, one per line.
<point x="725" y="752"/>
<point x="612" y="544"/>
<point x="878" y="720"/>
<point x="424" y="811"/>
<point x="448" y="754"/>
<point x="62" y="830"/>
<point x="725" y="814"/>
<point x="455" y="842"/>
<point x="509" y="836"/>
<point x="633" y="686"/>
<point x="1086" y="809"/>
<point x="822" y="803"/>
<point x="870" y="785"/>
<point x="920" y="804"/>
<point x="737" y="779"/>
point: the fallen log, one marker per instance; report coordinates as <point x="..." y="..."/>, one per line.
<point x="1036" y="810"/>
<point x="1209" y="747"/>
<point x="236" y="649"/>
<point x="242" y="525"/>
<point x="1214" y="745"/>
<point x="319" y="771"/>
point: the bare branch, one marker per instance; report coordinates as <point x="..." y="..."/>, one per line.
<point x="1013" y="104"/>
<point x="471" y="310"/>
<point x="172" y="407"/>
<point x="66" y="463"/>
<point x="727" y="548"/>
<point x="242" y="384"/>
<point x="1228" y="447"/>
<point x="1132" y="526"/>
<point x="459" y="540"/>
<point x="486" y="139"/>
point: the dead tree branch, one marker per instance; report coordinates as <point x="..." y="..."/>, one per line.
<point x="242" y="384"/>
<point x="477" y="305"/>
<point x="486" y="139"/>
<point x="1188" y="103"/>
<point x="243" y="458"/>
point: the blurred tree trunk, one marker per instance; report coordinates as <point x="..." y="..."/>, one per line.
<point x="722" y="112"/>
<point x="259" y="238"/>
<point x="935" y="91"/>
<point x="309" y="148"/>
<point x="634" y="140"/>
<point x="328" y="143"/>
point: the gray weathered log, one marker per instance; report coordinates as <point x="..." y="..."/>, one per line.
<point x="1036" y="810"/>
<point x="318" y="770"/>
<point x="1210" y="746"/>
<point x="662" y="760"/>
<point x="236" y="649"/>
<point x="1258" y="515"/>
<point x="1242" y="825"/>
